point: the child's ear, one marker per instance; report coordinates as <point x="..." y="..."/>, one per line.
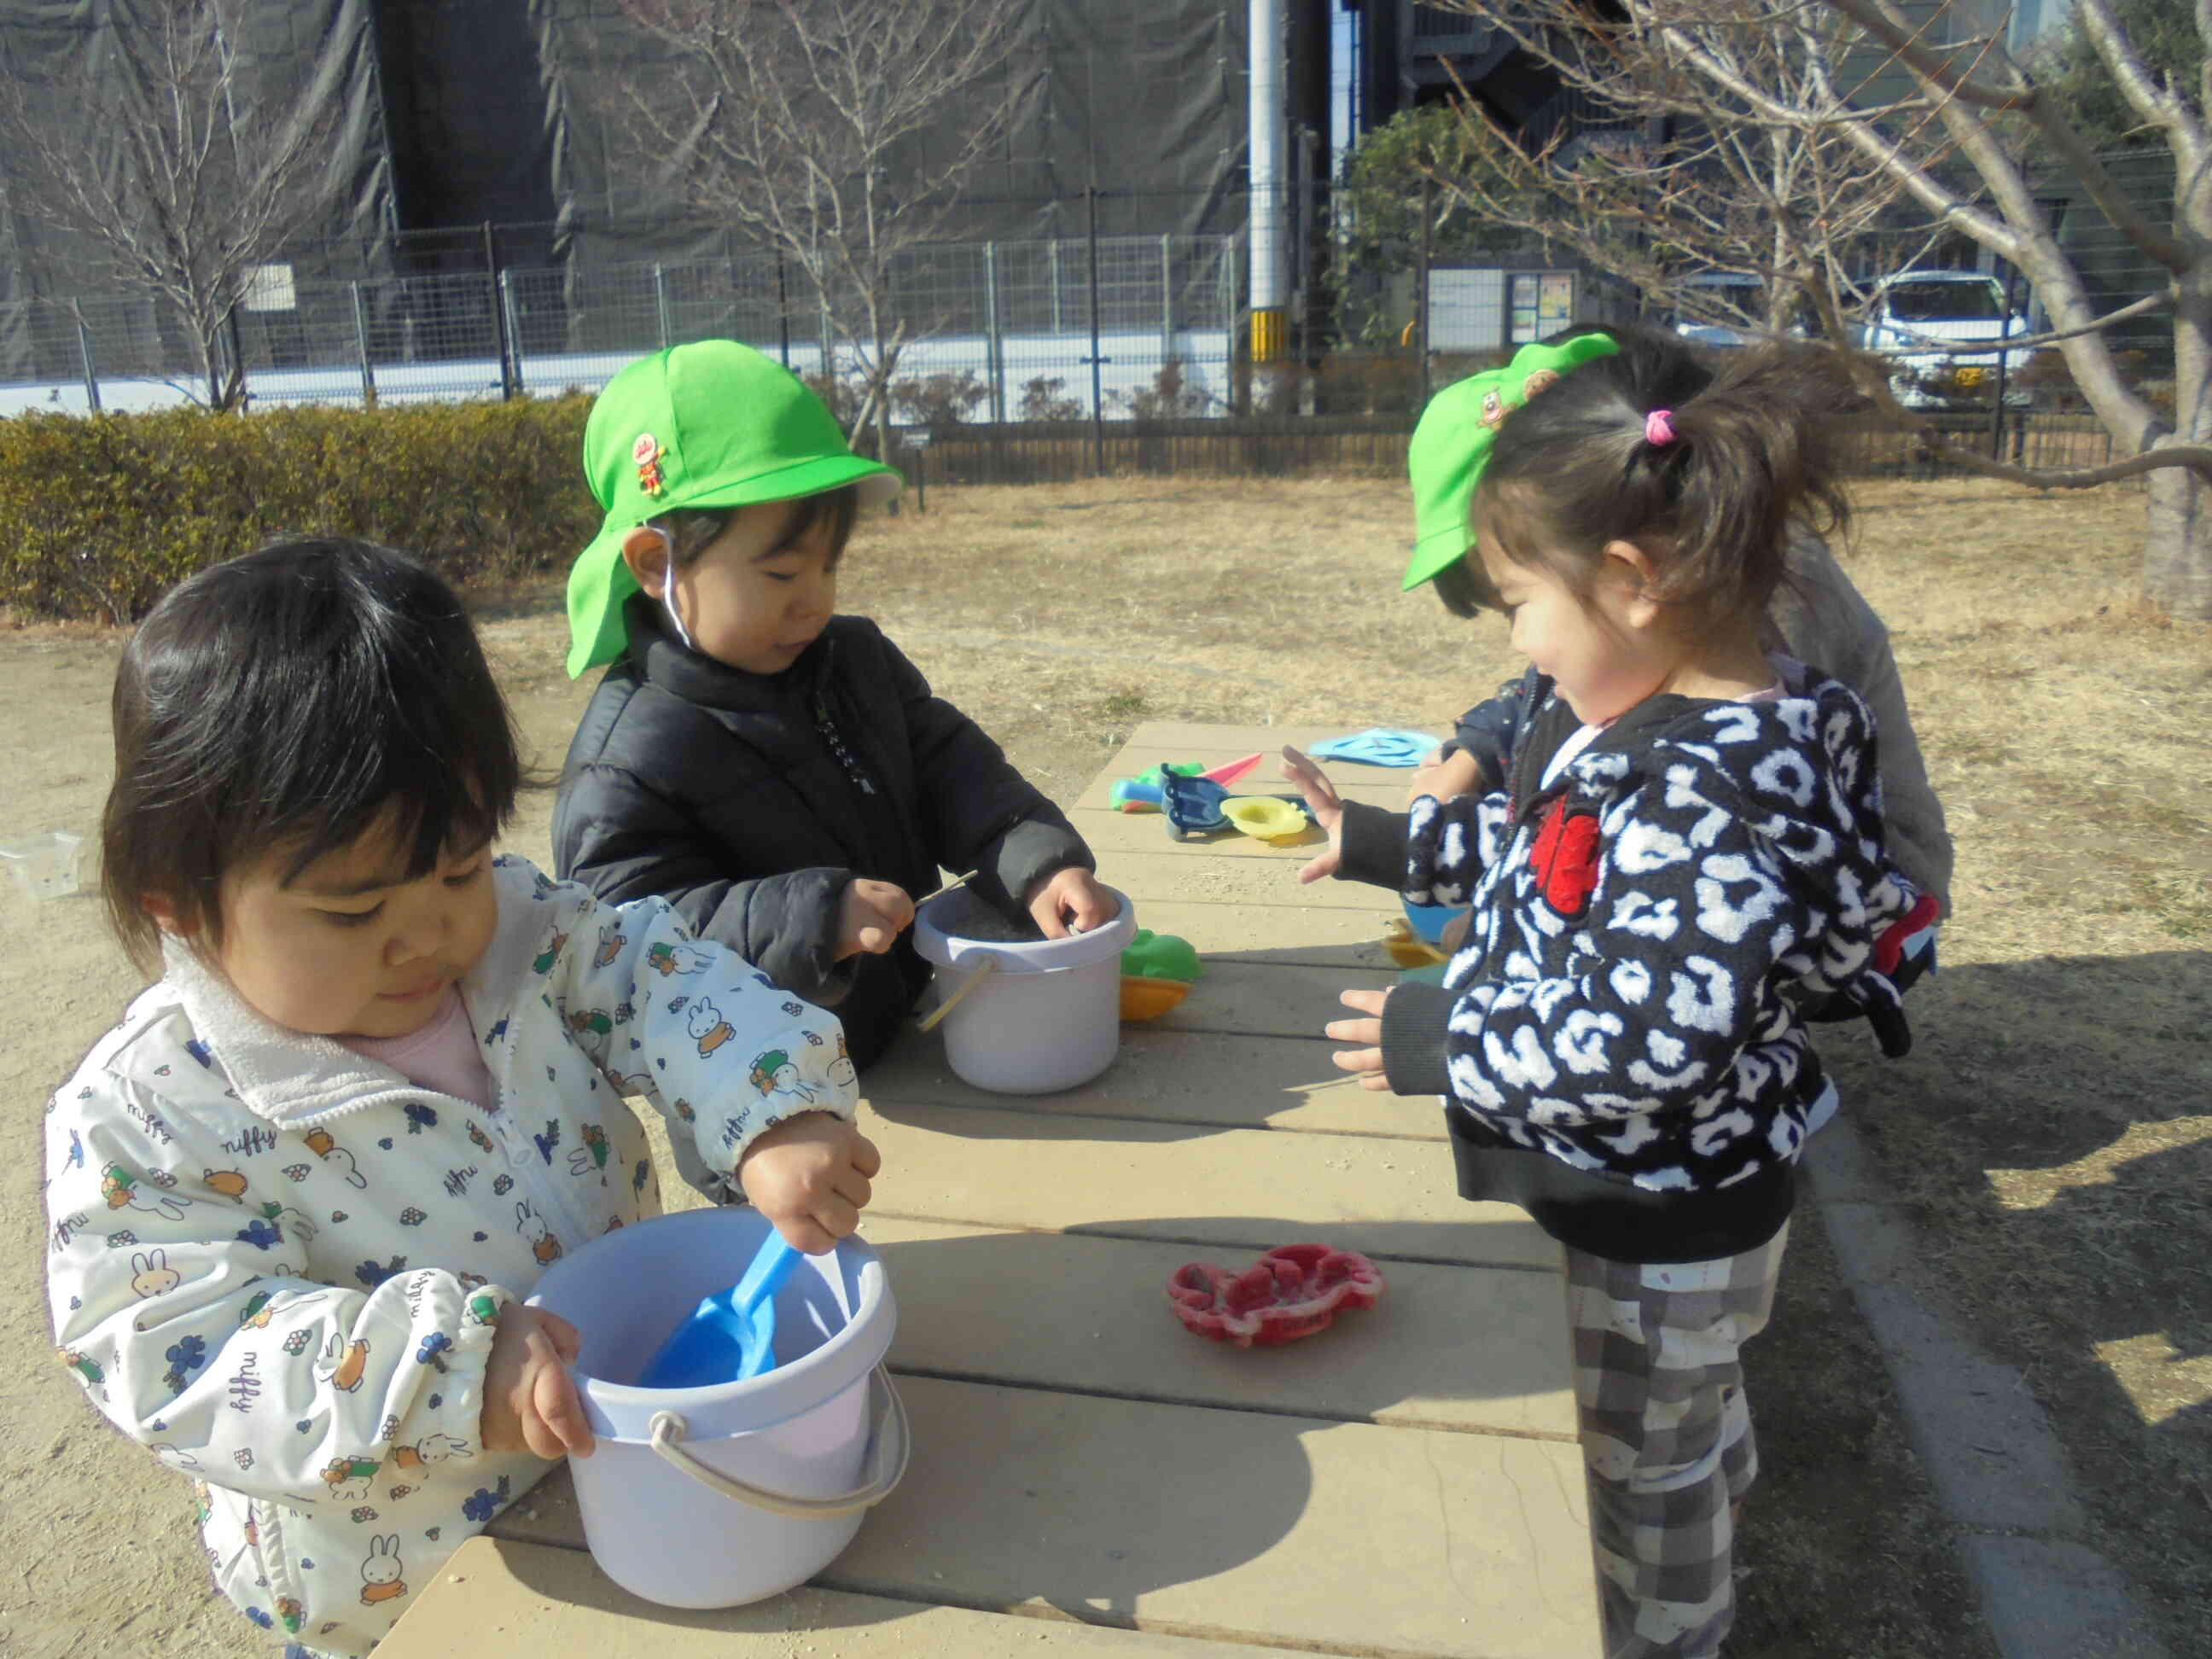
<point x="645" y="551"/>
<point x="162" y="908"/>
<point x="1630" y="568"/>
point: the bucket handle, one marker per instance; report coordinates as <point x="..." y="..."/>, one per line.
<point x="928" y="1022"/>
<point x="885" y="1463"/>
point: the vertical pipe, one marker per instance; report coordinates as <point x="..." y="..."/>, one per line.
<point x="782" y="313"/>
<point x="495" y="297"/>
<point x="1421" y="298"/>
<point x="1167" y="297"/>
<point x="511" y="323"/>
<point x="361" y="350"/>
<point x="2004" y="356"/>
<point x="660" y="303"/>
<point x="84" y="356"/>
<point x="1264" y="116"/>
<point x="995" y="344"/>
<point x="1098" y="363"/>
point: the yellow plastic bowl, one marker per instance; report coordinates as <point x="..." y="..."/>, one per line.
<point x="1264" y="815"/>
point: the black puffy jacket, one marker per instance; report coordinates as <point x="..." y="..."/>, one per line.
<point x="750" y="800"/>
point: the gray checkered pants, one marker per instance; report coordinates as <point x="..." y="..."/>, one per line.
<point x="1667" y="1440"/>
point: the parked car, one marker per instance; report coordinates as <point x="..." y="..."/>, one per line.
<point x="1915" y="306"/>
<point x="1739" y="289"/>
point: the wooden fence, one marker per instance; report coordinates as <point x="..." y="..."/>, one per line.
<point x="1287" y="446"/>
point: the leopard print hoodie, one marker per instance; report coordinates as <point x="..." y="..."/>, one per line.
<point x="1649" y="931"/>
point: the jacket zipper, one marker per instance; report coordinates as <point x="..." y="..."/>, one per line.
<point x="826" y="725"/>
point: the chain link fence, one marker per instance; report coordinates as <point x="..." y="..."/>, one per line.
<point x="1072" y="326"/>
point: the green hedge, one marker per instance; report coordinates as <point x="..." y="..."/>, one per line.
<point x="98" y="516"/>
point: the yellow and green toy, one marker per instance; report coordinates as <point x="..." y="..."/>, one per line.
<point x="1156" y="971"/>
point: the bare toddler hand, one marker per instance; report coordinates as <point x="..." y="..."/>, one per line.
<point x="872" y="916"/>
<point x="810" y="1175"/>
<point x="1328" y="808"/>
<point x="531" y="1403"/>
<point x="1073" y="900"/>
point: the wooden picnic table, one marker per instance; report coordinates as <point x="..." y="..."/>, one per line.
<point x="1405" y="1484"/>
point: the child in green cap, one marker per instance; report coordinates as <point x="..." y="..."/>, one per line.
<point x="1818" y="615"/>
<point x="781" y="774"/>
<point x="1673" y="859"/>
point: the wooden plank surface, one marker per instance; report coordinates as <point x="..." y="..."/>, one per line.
<point x="1405" y="1485"/>
<point x="501" y="1596"/>
<point x="1199" y="1077"/>
<point x="1233" y="1526"/>
<point x="1029" y="1172"/>
<point x="1468" y="1349"/>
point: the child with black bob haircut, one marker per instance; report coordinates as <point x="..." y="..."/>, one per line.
<point x="1683" y="853"/>
<point x="780" y="773"/>
<point x="296" y="1197"/>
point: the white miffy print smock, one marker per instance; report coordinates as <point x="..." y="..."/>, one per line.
<point x="279" y="1266"/>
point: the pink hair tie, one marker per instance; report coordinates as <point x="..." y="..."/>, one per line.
<point x="1656" y="432"/>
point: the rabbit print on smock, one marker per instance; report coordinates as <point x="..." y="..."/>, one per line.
<point x="279" y="1265"/>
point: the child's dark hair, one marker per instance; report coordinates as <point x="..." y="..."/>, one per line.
<point x="290" y="699"/>
<point x="693" y="530"/>
<point x="1749" y="448"/>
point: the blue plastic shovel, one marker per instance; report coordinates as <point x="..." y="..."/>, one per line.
<point x="731" y="1335"/>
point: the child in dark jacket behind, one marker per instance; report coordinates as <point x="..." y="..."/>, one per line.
<point x="1682" y="859"/>
<point x="779" y="774"/>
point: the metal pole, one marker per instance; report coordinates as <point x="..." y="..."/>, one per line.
<point x="510" y="346"/>
<point x="1052" y="253"/>
<point x="1998" y="414"/>
<point x="1098" y="363"/>
<point x="84" y="356"/>
<point x="660" y="303"/>
<point x="1421" y="300"/>
<point x="783" y="312"/>
<point x="493" y="295"/>
<point x="236" y="341"/>
<point x="995" y="344"/>
<point x="1167" y="297"/>
<point x="361" y="350"/>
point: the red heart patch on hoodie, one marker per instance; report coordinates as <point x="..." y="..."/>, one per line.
<point x="1565" y="858"/>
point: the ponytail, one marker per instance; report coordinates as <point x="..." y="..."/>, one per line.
<point x="1706" y="473"/>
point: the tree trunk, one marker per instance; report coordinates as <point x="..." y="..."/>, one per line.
<point x="2177" y="543"/>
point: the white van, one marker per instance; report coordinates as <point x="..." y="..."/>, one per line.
<point x="1914" y="306"/>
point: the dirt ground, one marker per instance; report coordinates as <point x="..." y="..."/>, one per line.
<point x="2051" y="1132"/>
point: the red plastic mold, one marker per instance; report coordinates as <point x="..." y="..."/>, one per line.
<point x="1292" y="1291"/>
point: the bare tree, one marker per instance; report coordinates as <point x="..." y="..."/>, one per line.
<point x="1959" y="130"/>
<point x="840" y="133"/>
<point x="171" y="167"/>
<point x="1753" y="228"/>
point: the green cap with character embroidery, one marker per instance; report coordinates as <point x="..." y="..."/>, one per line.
<point x="710" y="424"/>
<point x="1451" y="444"/>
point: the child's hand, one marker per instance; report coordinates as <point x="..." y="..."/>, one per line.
<point x="809" y="1176"/>
<point x="1366" y="1059"/>
<point x="531" y="1403"/>
<point x="1456" y="774"/>
<point x="871" y="917"/>
<point x="1327" y="810"/>
<point x="1073" y="901"/>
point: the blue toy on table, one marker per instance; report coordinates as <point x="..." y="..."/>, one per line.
<point x="1379" y="745"/>
<point x="1194" y="805"/>
<point x="731" y="1335"/>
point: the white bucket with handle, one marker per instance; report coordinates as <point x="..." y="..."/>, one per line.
<point x="1023" y="1014"/>
<point x="716" y="1496"/>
